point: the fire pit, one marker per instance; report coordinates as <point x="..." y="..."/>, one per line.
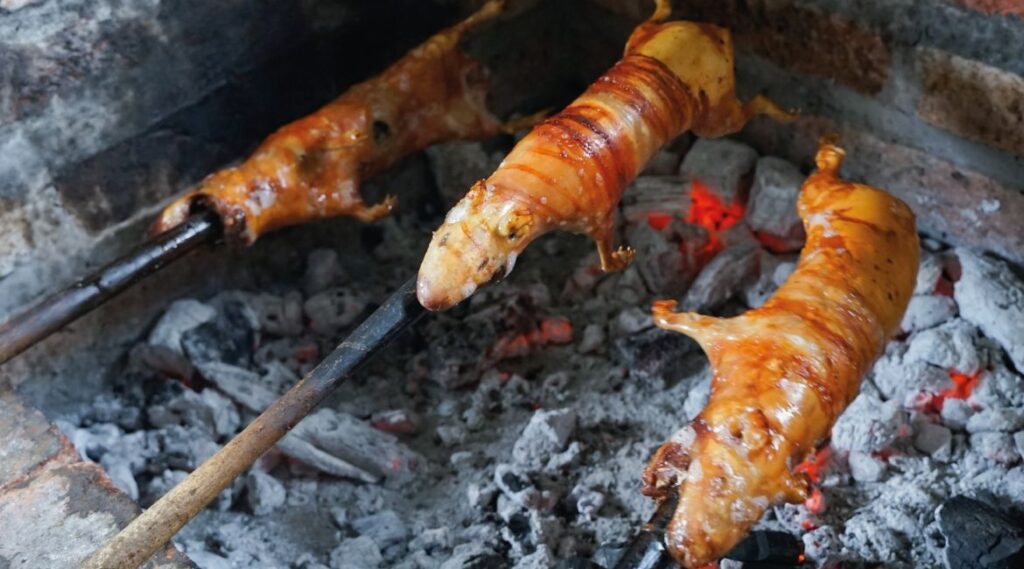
<point x="512" y="430"/>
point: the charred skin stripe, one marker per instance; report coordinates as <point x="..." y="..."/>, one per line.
<point x="312" y="168"/>
<point x="783" y="373"/>
<point x="588" y="135"/>
<point x="570" y="171"/>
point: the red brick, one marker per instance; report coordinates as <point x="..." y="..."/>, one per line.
<point x="973" y="100"/>
<point x="1003" y="7"/>
<point x="800" y="37"/>
<point x="953" y="204"/>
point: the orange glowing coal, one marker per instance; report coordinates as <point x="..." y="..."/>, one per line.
<point x="815" y="503"/>
<point x="658" y="220"/>
<point x="707" y="210"/>
<point x="963" y="386"/>
<point x="771" y="242"/>
<point x="812" y="466"/>
<point x="556" y="331"/>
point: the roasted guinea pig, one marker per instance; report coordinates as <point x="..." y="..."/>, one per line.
<point x="570" y="171"/>
<point x="783" y="373"/>
<point x="312" y="168"/>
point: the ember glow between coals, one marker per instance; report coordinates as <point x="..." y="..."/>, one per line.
<point x="812" y="467"/>
<point x="963" y="386"/>
<point x="556" y="331"/>
<point x="707" y="210"/>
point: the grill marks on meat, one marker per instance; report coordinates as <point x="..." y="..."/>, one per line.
<point x="571" y="170"/>
<point x="783" y="373"/>
<point x="312" y="168"/>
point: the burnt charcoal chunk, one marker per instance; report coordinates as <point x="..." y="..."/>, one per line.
<point x="520" y="526"/>
<point x="514" y="483"/>
<point x="979" y="536"/>
<point x="768" y="547"/>
<point x="723" y="277"/>
<point x="723" y="165"/>
<point x="230" y="338"/>
<point x="211" y="343"/>
<point x="771" y="211"/>
<point x="474" y="556"/>
<point x="654" y="353"/>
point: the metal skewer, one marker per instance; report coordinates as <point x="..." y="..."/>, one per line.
<point x="760" y="549"/>
<point x="647" y="550"/>
<point x="35" y="324"/>
<point x="146" y="534"/>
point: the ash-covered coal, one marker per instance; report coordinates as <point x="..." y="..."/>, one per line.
<point x="512" y="431"/>
<point x="980" y="536"/>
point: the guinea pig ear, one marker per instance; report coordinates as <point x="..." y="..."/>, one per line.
<point x="515" y="224"/>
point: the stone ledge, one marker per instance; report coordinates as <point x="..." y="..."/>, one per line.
<point x="55" y="508"/>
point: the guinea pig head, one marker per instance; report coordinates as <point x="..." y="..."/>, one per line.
<point x="478" y="242"/>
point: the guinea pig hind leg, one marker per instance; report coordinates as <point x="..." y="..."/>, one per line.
<point x="613" y="259"/>
<point x="369" y="214"/>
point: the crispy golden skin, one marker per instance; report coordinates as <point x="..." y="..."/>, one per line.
<point x="571" y="170"/>
<point x="312" y="168"/>
<point x="784" y="372"/>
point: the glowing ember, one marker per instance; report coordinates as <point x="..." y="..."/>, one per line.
<point x="963" y="386"/>
<point x="658" y="221"/>
<point x="886" y="453"/>
<point x="812" y="466"/>
<point x="556" y="331"/>
<point x="815" y="503"/>
<point x="944" y="287"/>
<point x="708" y="211"/>
<point x="396" y="422"/>
<point x="771" y="242"/>
<point x="306" y="352"/>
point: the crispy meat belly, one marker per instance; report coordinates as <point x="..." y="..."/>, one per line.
<point x="784" y="373"/>
<point x="313" y="167"/>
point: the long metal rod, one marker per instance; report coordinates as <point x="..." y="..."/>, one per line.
<point x="146" y="534"/>
<point x="760" y="549"/>
<point x="647" y="550"/>
<point x="35" y="324"/>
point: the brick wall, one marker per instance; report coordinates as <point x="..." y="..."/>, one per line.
<point x="928" y="95"/>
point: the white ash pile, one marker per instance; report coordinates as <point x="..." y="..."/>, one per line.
<point x="940" y="416"/>
<point x="512" y="431"/>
